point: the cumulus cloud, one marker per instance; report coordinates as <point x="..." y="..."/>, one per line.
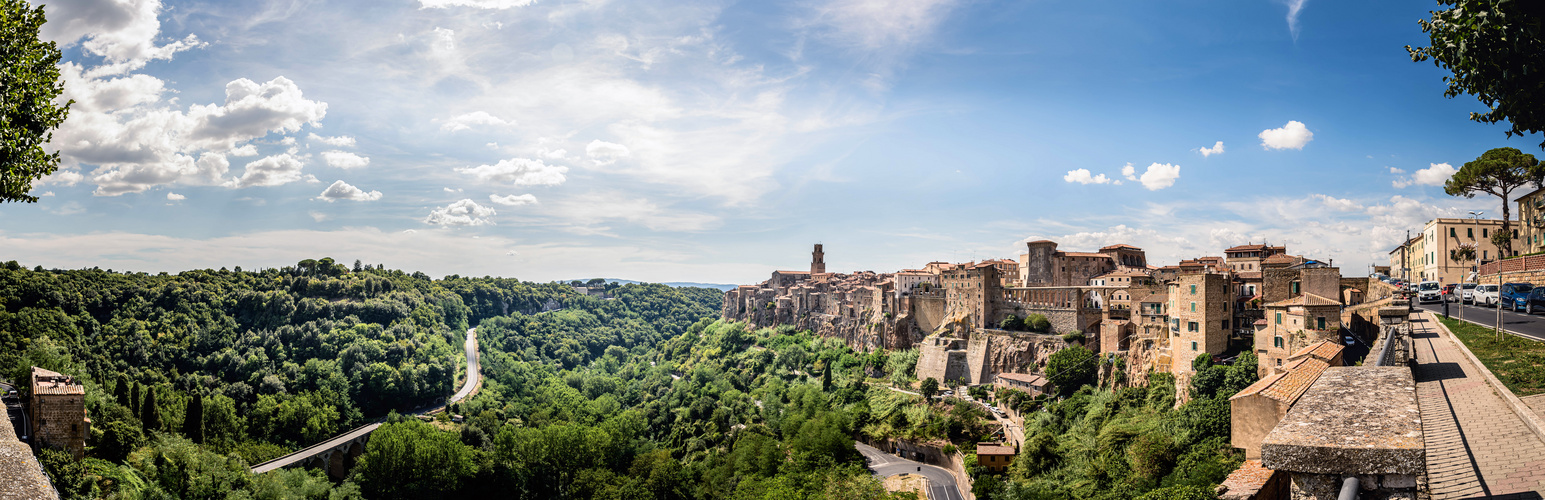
<point x="122" y="32"/>
<point x="481" y="4"/>
<point x="513" y="200"/>
<point x="605" y="153"/>
<point x="1082" y="176"/>
<point x="475" y="118"/>
<point x="1339" y="204"/>
<point x="1294" y="135"/>
<point x="462" y="213"/>
<point x="340" y="190"/>
<point x="1216" y="149"/>
<point x="1160" y="176"/>
<point x="341" y="141"/>
<point x="1434" y="175"/>
<point x="344" y="159"/>
<point x="244" y="150"/>
<point x="519" y="171"/>
<point x="1129" y="172"/>
<point x="273" y="170"/>
<point x="61" y="176"/>
<point x="175" y="197"/>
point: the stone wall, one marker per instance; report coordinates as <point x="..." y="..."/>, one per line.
<point x="942" y="359"/>
<point x="59" y="422"/>
<point x="1535" y="277"/>
<point x="927" y="312"/>
<point x="21" y="476"/>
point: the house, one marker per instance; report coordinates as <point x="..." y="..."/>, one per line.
<point x="1257" y="409"/>
<point x="1033" y="384"/>
<point x="995" y="457"/>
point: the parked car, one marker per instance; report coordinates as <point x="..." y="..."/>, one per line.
<point x="1448" y="292"/>
<point x="1429" y="291"/>
<point x="1486" y="295"/>
<point x="1515" y="295"/>
<point x="1467" y="292"/>
<point x="1535" y="300"/>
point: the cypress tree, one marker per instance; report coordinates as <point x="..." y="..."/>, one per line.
<point x="826" y="378"/>
<point x="193" y="421"/>
<point x="150" y="413"/>
<point x="121" y="393"/>
<point x="134" y="398"/>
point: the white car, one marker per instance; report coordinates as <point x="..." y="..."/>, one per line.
<point x="1467" y="292"/>
<point x="1485" y="294"/>
<point x="1429" y="291"/>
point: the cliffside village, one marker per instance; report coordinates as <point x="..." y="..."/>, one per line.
<point x="1140" y="317"/>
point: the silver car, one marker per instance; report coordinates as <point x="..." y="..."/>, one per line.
<point x="1467" y="292"/>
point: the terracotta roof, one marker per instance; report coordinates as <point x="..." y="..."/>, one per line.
<point x="1322" y="350"/>
<point x="1307" y="299"/>
<point x="51" y="382"/>
<point x="1260" y="322"/>
<point x="1288" y="386"/>
<point x="993" y="449"/>
<point x="1086" y="254"/>
<point x="1023" y="377"/>
<point x="1170" y="267"/>
<point x="1119" y="246"/>
<point x="1242" y="248"/>
<point x="1280" y="258"/>
<point x="1248" y="479"/>
<point x="1251" y="275"/>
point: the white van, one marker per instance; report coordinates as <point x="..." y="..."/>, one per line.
<point x="1429" y="291"/>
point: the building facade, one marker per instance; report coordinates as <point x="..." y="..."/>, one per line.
<point x="58" y="409"/>
<point x="1531" y="222"/>
<point x="1437" y="257"/>
<point x="1200" y="317"/>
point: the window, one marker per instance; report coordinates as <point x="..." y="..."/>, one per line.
<point x="1191" y="326"/>
<point x="1470" y="232"/>
<point x="1193" y="346"/>
<point x="1193" y="289"/>
<point x="1293" y="288"/>
<point x="1451" y="233"/>
<point x="1483" y="232"/>
<point x="1225" y="324"/>
<point x="1279" y="318"/>
<point x="1279" y="361"/>
<point x="1276" y="342"/>
<point x="1319" y="323"/>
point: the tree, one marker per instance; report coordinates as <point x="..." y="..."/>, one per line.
<point x="1012" y="323"/>
<point x="1491" y="46"/>
<point x="826" y="378"/>
<point x="411" y="459"/>
<point x="1071" y="368"/>
<point x="929" y="387"/>
<point x="193" y="420"/>
<point x="1497" y="172"/>
<point x="29" y="84"/>
<point x="150" y="412"/>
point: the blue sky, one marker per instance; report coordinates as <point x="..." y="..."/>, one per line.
<point x="716" y="141"/>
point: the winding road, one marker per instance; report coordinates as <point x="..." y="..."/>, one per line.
<point x="941" y="484"/>
<point x="474" y="378"/>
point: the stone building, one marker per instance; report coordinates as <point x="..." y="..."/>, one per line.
<point x="1247" y="258"/>
<point x="1200" y="317"/>
<point x="817" y="261"/>
<point x="971" y="292"/>
<point x="1043" y="265"/>
<point x="58" y="408"/>
<point x="1434" y="256"/>
<point x="1257" y="409"/>
<point x="909" y="279"/>
<point x="1294" y="324"/>
<point x="996" y="457"/>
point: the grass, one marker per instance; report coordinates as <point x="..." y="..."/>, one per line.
<point x="1517" y="362"/>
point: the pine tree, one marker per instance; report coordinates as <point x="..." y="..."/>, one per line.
<point x="193" y="421"/>
<point x="150" y="412"/>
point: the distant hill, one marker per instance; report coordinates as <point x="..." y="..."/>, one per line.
<point x="719" y="286"/>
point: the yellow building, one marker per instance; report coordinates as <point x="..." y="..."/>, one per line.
<point x="1441" y="238"/>
<point x="1531" y="222"/>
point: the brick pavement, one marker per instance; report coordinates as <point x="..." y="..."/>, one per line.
<point x="1537" y="402"/>
<point x="1476" y="446"/>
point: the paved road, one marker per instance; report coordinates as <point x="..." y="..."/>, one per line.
<point x="1520" y="324"/>
<point x="474" y="369"/>
<point x="474" y="374"/>
<point x="1476" y="446"/>
<point x="941" y="483"/>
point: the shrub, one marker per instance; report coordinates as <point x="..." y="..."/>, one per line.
<point x="1037" y="322"/>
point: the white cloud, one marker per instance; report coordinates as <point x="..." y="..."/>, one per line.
<point x="1339" y="204"/>
<point x="462" y="213"/>
<point x="877" y="24"/>
<point x="603" y="153"/>
<point x="519" y="171"/>
<point x="1129" y="172"/>
<point x="341" y="141"/>
<point x="1294" y="7"/>
<point x="597" y="208"/>
<point x="1082" y="176"/>
<point x="340" y="190"/>
<point x="1160" y="176"/>
<point x="513" y="200"/>
<point x="245" y="150"/>
<point x="318" y="216"/>
<point x="449" y="190"/>
<point x="46" y="194"/>
<point x="344" y="159"/>
<point x="61" y="176"/>
<point x="1216" y="149"/>
<point x="1434" y="175"/>
<point x="481" y="4"/>
<point x="1294" y="135"/>
<point x="272" y="171"/>
<point x="1396" y="171"/>
<point x="475" y="118"/>
<point x="122" y="32"/>
<point x="174" y="196"/>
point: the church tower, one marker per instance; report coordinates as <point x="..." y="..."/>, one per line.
<point x="817" y="260"/>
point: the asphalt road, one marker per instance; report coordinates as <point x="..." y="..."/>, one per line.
<point x="474" y="369"/>
<point x="1517" y="323"/>
<point x="941" y="483"/>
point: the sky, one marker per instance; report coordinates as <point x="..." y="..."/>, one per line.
<point x="715" y="141"/>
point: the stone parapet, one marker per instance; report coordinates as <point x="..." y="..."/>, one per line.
<point x="1354" y="421"/>
<point x="21" y="476"/>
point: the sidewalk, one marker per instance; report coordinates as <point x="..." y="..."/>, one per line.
<point x="1476" y="446"/>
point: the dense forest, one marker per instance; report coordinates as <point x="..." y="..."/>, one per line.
<point x="638" y="393"/>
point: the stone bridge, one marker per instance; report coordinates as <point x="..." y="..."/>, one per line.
<point x="336" y="455"/>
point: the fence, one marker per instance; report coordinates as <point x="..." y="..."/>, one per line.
<point x="1525" y="263"/>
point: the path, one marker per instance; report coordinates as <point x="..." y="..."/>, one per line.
<point x="1476" y="446"/>
<point x="474" y="376"/>
<point x="941" y="484"/>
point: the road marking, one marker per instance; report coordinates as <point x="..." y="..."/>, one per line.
<point x="1492" y="312"/>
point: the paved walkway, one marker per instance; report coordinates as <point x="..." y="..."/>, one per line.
<point x="1476" y="446"/>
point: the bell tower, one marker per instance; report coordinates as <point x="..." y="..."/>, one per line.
<point x="817" y="260"/>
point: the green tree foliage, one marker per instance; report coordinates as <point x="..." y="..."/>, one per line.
<point x="150" y="411"/>
<point x="1071" y="368"/>
<point x="413" y="460"/>
<point x="1494" y="49"/>
<point x="1037" y="322"/>
<point x="1012" y="323"/>
<point x="1497" y="172"/>
<point x="193" y="420"/>
<point x="29" y="84"/>
<point x="929" y="387"/>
